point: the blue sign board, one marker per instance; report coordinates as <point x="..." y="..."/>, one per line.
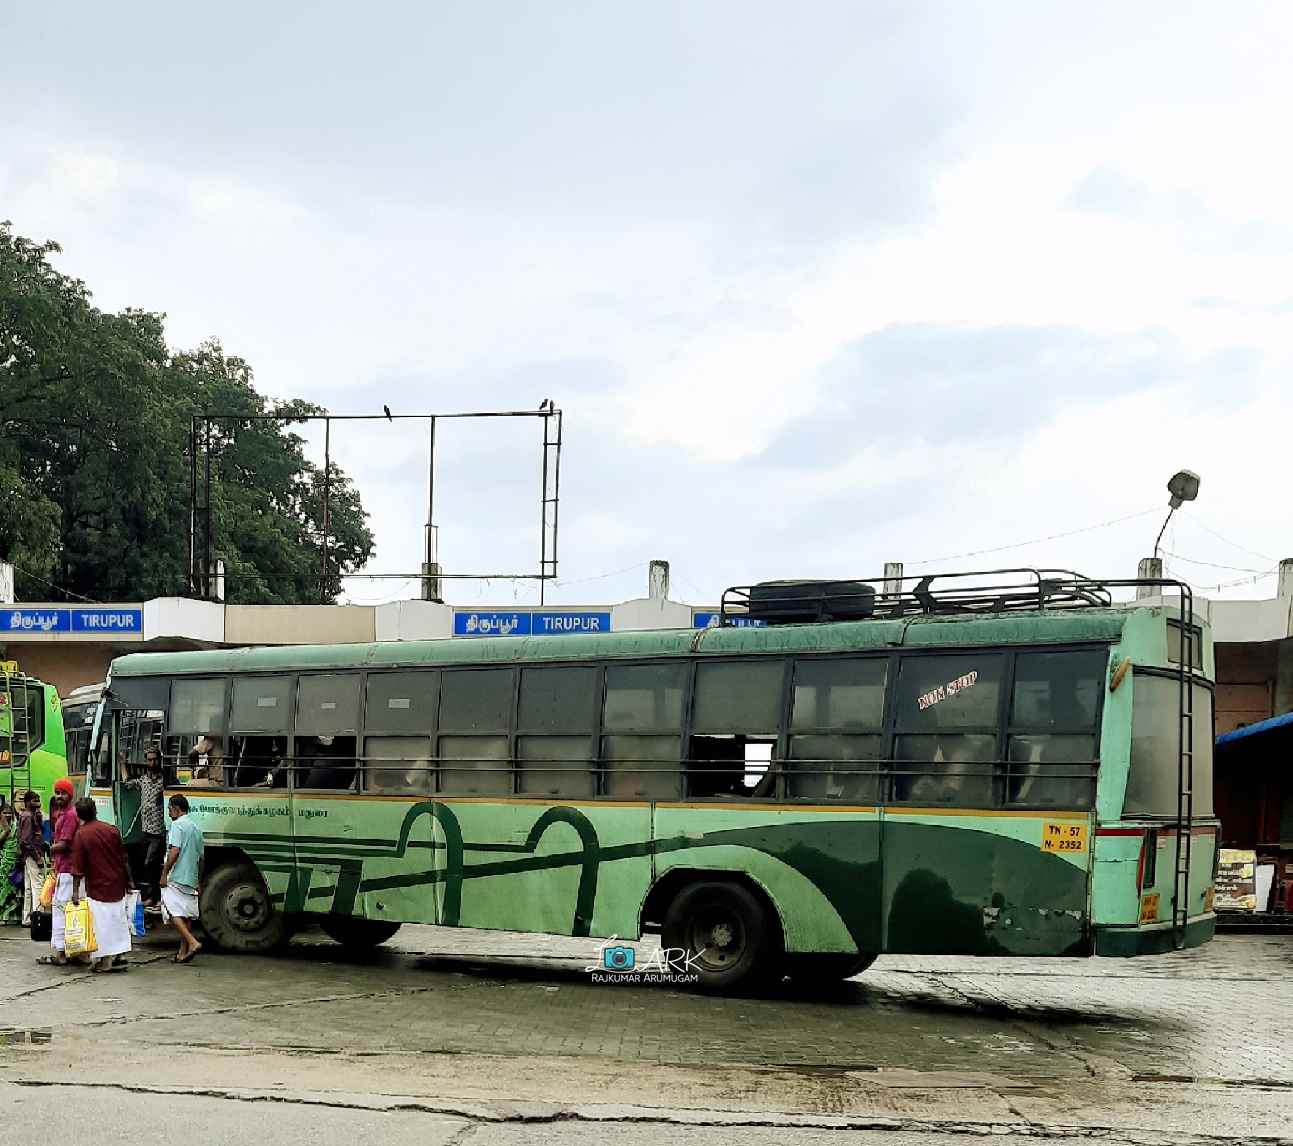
<point x="711" y="621"/>
<point x="571" y="623"/>
<point x="491" y="624"/>
<point x="35" y="620"/>
<point x="114" y="621"/>
<point x="107" y="621"/>
<point x="518" y="623"/>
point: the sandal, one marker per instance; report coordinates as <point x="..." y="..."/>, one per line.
<point x="50" y="961"/>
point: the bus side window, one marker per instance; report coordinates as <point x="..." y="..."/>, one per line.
<point x="196" y="720"/>
<point x="556" y="746"/>
<point x="735" y="723"/>
<point x="399" y="726"/>
<point x="475" y="721"/>
<point x="259" y="725"/>
<point x="1053" y="718"/>
<point x="946" y="723"/>
<point x="97" y="761"/>
<point x="327" y="723"/>
<point x="35" y="716"/>
<point x="256" y="762"/>
<point x="836" y="726"/>
<point x="642" y="731"/>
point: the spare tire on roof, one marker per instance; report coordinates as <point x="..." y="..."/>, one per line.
<point x="790" y="602"/>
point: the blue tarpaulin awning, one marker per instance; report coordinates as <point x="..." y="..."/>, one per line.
<point x="1282" y="721"/>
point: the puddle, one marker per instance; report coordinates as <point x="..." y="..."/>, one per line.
<point x="24" y="1036"/>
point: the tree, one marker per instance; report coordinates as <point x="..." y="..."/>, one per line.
<point x="95" y="416"/>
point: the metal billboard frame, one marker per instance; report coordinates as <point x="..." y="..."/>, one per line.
<point x="202" y="542"/>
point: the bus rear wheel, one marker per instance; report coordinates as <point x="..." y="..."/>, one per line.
<point x="237" y="912"/>
<point x="727" y="935"/>
<point x="829" y="966"/>
<point x="357" y="934"/>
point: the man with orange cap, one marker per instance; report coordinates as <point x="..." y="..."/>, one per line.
<point x="65" y="826"/>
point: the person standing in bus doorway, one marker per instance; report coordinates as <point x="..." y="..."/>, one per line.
<point x="180" y="876"/>
<point x="152" y="821"/>
<point x="99" y="859"/>
<point x="31" y="852"/>
<point x="65" y="827"/>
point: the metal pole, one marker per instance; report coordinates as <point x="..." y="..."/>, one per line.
<point x="543" y="515"/>
<point x="327" y="489"/>
<point x="431" y="482"/>
<point x="556" y="495"/>
<point x="193" y="498"/>
<point x="1159" y="538"/>
<point x="206" y="502"/>
<point x="430" y="558"/>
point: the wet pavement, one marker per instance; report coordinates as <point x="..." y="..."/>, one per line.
<point x="476" y="1026"/>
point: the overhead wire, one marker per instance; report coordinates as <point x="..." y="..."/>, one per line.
<point x="600" y="576"/>
<point x="1251" y="580"/>
<point x="1194" y="519"/>
<point x="1037" y="540"/>
<point x="1215" y="565"/>
<point x="56" y="588"/>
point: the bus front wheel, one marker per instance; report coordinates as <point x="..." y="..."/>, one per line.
<point x="237" y="912"/>
<point x="358" y="934"/>
<point x="725" y="932"/>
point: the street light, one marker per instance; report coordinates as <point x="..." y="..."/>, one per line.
<point x="1183" y="487"/>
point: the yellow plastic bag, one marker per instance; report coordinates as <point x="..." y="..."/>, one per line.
<point x="47" y="891"/>
<point x="78" y="938"/>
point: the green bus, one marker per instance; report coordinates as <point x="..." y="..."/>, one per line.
<point x="33" y="752"/>
<point x="958" y="768"/>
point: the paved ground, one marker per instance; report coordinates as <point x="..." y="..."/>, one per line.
<point x="467" y="1036"/>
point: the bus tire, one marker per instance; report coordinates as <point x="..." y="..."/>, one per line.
<point x="355" y="933"/>
<point x="729" y="937"/>
<point x="828" y="966"/>
<point x="237" y="912"/>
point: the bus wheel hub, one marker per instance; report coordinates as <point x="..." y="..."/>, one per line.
<point x="248" y="910"/>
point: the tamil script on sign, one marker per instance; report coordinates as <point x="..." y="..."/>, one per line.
<point x="479" y="623"/>
<point x="76" y="620"/>
<point x="943" y="691"/>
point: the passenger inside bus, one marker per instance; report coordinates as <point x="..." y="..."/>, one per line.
<point x="327" y="762"/>
<point x="258" y="762"/>
<point x="206" y="762"/>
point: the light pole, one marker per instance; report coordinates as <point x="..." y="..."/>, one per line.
<point x="1183" y="487"/>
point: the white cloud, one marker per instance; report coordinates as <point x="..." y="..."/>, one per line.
<point x="677" y="232"/>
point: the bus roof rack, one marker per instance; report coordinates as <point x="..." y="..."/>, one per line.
<point x="983" y="591"/>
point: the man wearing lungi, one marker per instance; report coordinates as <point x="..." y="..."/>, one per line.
<point x="184" y="847"/>
<point x="99" y="860"/>
<point x="64" y="825"/>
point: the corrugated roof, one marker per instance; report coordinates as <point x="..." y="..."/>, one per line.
<point x="1281" y="721"/>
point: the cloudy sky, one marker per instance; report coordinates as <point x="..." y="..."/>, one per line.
<point x="817" y="286"/>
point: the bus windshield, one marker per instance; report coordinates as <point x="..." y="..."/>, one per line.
<point x="1155" y="739"/>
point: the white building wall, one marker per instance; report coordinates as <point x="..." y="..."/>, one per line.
<point x="649" y="613"/>
<point x="179" y="617"/>
<point x="413" y="621"/>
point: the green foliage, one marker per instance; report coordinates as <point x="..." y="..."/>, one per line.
<point x="95" y="416"/>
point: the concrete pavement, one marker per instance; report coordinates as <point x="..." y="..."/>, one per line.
<point x="483" y="1036"/>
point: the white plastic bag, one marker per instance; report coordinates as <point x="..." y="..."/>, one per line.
<point x="135" y="913"/>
